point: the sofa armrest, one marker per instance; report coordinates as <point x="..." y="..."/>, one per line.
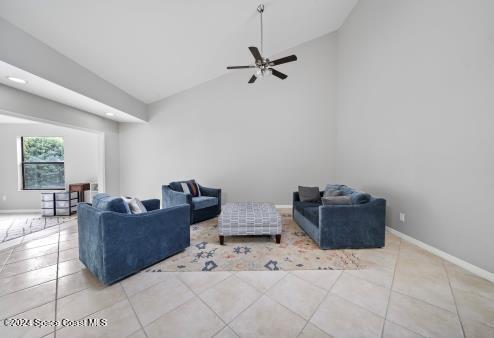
<point x="151" y="204"/>
<point x="90" y="237"/>
<point x="296" y="196"/>
<point x="173" y="198"/>
<point x="212" y="192"/>
<point x="345" y="223"/>
<point x="132" y="241"/>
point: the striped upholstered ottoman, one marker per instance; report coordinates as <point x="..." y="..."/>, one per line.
<point x="249" y="218"/>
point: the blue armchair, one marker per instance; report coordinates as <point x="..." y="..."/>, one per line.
<point x="203" y="207"/>
<point x="114" y="244"/>
<point x="353" y="226"/>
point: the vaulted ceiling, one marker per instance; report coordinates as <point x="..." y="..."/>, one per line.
<point x="152" y="49"/>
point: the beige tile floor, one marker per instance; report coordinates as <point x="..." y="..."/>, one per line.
<point x="407" y="292"/>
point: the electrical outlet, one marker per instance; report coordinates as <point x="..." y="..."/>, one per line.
<point x="402" y="217"/>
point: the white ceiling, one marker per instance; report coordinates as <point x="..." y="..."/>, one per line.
<point x="152" y="49"/>
<point x="12" y="119"/>
<point x="42" y="87"/>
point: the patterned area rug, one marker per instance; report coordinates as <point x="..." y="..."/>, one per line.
<point x="297" y="251"/>
<point x="12" y="227"/>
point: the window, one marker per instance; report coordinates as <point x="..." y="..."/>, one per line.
<point x="42" y="163"/>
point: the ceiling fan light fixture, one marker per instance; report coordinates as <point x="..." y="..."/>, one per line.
<point x="263" y="65"/>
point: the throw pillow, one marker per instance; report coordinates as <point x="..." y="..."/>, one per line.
<point x="191" y="187"/>
<point x="309" y="194"/>
<point x="332" y="190"/>
<point x="336" y="200"/>
<point x="359" y="197"/>
<point x="136" y="206"/>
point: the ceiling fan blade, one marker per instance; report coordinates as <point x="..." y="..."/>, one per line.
<point x="278" y="74"/>
<point x="253" y="79"/>
<point x="239" y="67"/>
<point x="256" y="54"/>
<point x="286" y="59"/>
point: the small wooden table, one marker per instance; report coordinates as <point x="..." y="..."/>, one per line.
<point x="80" y="188"/>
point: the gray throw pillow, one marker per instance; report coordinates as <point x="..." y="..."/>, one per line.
<point x="332" y="191"/>
<point x="309" y="194"/>
<point x="135" y="205"/>
<point x="337" y="200"/>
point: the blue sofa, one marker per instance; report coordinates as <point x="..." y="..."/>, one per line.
<point x="113" y="243"/>
<point x="354" y="226"/>
<point x="202" y="208"/>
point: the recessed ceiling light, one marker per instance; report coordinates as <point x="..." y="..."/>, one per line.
<point x="16" y="79"/>
<point x="110" y="114"/>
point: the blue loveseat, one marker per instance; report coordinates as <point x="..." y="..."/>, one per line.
<point x="355" y="226"/>
<point x="203" y="207"/>
<point x="113" y="243"/>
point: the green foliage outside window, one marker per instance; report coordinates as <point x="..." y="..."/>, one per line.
<point x="43" y="163"/>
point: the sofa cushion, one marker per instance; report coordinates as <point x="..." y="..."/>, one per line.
<point x="336" y="200"/>
<point x="309" y="194"/>
<point x="106" y="202"/>
<point x="202" y="202"/>
<point x="300" y="206"/>
<point x="312" y="214"/>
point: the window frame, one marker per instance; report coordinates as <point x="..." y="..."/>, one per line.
<point x="24" y="162"/>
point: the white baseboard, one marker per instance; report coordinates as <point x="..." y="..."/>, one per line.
<point x="21" y="211"/>
<point x="283" y="206"/>
<point x="446" y="256"/>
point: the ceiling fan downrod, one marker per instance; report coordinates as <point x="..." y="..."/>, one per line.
<point x="260" y="9"/>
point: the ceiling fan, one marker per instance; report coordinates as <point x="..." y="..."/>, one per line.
<point x="264" y="65"/>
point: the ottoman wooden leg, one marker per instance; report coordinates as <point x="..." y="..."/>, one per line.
<point x="222" y="240"/>
<point x="278" y="239"/>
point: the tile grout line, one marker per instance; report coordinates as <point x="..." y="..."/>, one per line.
<point x="196" y="295"/>
<point x="94" y="312"/>
<point x="454" y="298"/>
<point x="391" y="288"/>
<point x="43" y="255"/>
<point x="319" y="305"/>
<point x="133" y="310"/>
<point x="47" y="281"/>
<point x="262" y="293"/>
<point x="6" y="259"/>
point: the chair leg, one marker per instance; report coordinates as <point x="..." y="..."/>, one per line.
<point x="222" y="240"/>
<point x="278" y="239"/>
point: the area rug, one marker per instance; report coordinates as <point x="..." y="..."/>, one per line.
<point x="297" y="251"/>
<point x="15" y="226"/>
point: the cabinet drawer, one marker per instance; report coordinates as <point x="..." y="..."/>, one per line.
<point x="47" y="212"/>
<point x="65" y="195"/>
<point x="63" y="211"/>
<point x="66" y="204"/>
<point x="47" y="205"/>
<point x="47" y="196"/>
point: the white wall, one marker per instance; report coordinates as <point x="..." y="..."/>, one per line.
<point x="18" y="103"/>
<point x="416" y="118"/>
<point x="81" y="161"/>
<point x="257" y="142"/>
